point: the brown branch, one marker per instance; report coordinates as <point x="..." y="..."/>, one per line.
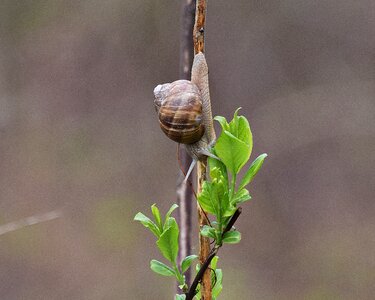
<point x="199" y="27"/>
<point x="204" y="242"/>
<point x="184" y="193"/>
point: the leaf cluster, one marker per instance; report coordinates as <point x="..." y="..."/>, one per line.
<point x="222" y="194"/>
<point x="166" y="232"/>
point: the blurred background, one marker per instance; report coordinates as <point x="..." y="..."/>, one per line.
<point x="79" y="134"/>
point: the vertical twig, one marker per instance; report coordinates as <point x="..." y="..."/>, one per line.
<point x="184" y="193"/>
<point x="204" y="242"/>
<point x="199" y="26"/>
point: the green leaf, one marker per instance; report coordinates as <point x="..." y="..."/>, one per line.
<point x="241" y="196"/>
<point x="168" y="241"/>
<point x="232" y="237"/>
<point x="240" y="128"/>
<point x="180" y="297"/>
<point x="233" y="124"/>
<point x="156" y="213"/>
<point x="219" y="278"/>
<point x="160" y="268"/>
<point x="227" y="210"/>
<point x="173" y="207"/>
<point x="185" y="264"/>
<point x="217" y="288"/>
<point x="214" y="261"/>
<point x="207" y="199"/>
<point x="147" y="223"/>
<point x="235" y="143"/>
<point x="208" y="231"/>
<point x="197" y="268"/>
<point x="222" y="195"/>
<point x="253" y="170"/>
<point x="214" y="197"/>
<point x="244" y="132"/>
<point x="223" y="122"/>
<point x="218" y="169"/>
<point x="198" y="294"/>
<point x="233" y="152"/>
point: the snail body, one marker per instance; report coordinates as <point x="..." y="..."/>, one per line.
<point x="184" y="111"/>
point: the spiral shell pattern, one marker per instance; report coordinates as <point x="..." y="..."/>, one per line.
<point x="180" y="111"/>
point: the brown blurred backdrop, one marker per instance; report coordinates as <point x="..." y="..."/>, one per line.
<point x="78" y="132"/>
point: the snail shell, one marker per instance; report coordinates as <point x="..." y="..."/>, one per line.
<point x="179" y="107"/>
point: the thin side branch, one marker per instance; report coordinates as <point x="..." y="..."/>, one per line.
<point x="32" y="220"/>
<point x="204" y="267"/>
<point x="233" y="220"/>
<point x="190" y="295"/>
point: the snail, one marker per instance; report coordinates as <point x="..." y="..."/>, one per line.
<point x="184" y="111"/>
